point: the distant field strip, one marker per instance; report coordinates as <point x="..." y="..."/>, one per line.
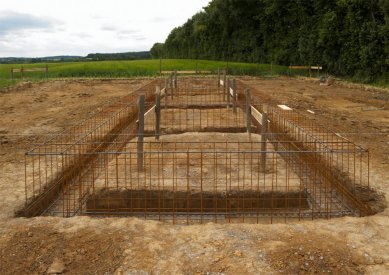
<point x="136" y="68"/>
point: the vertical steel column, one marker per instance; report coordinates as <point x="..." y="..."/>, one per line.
<point x="166" y="87"/>
<point x="224" y="84"/>
<point x="263" y="141"/>
<point x="248" y="110"/>
<point x="234" y="95"/>
<point x="218" y="79"/>
<point x="228" y="85"/>
<point x="175" y="79"/>
<point x="171" y="85"/>
<point x="157" y="112"/>
<point x="141" y="128"/>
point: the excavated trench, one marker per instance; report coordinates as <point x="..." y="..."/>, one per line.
<point x="94" y="184"/>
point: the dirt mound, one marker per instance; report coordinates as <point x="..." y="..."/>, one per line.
<point x="315" y="254"/>
<point x="34" y="250"/>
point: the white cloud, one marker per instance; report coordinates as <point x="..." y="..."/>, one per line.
<point x="46" y="27"/>
<point x="11" y="21"/>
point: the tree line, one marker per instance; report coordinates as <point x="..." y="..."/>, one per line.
<point x="347" y="37"/>
<point x="119" y="56"/>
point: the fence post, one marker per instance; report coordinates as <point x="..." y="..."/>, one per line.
<point x="263" y="141"/>
<point x="157" y="112"/>
<point x="141" y="128"/>
<point x="21" y="72"/>
<point x="12" y="73"/>
<point x="248" y="110"/>
<point x="47" y="71"/>
<point x="234" y="95"/>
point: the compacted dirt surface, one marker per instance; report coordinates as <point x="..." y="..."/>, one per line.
<point x="84" y="245"/>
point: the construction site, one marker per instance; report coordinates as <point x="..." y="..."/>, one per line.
<point x="197" y="151"/>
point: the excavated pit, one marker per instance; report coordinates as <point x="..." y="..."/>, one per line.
<point x="149" y="202"/>
<point x="205" y="163"/>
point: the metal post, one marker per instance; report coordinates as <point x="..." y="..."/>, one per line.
<point x="218" y="79"/>
<point x="171" y="85"/>
<point x="234" y="95"/>
<point x="21" y="72"/>
<point x="47" y="71"/>
<point x="263" y="141"/>
<point x="141" y="128"/>
<point x="157" y="112"/>
<point x="166" y="91"/>
<point x="175" y="79"/>
<point x="12" y="73"/>
<point x="248" y="110"/>
<point x="228" y="93"/>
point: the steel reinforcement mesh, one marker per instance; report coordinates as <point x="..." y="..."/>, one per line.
<point x="197" y="150"/>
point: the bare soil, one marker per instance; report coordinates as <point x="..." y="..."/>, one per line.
<point x="84" y="245"/>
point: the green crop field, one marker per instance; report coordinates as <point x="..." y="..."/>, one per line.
<point x="136" y="68"/>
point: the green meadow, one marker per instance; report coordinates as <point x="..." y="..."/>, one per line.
<point x="136" y="68"/>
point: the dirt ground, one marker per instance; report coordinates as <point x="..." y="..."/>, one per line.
<point x="84" y="245"/>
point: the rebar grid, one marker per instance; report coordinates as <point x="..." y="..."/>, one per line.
<point x="56" y="163"/>
<point x="342" y="165"/>
<point x="204" y="157"/>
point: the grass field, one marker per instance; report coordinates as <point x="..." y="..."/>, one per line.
<point x="122" y="69"/>
<point x="151" y="67"/>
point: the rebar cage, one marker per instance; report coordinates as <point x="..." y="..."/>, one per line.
<point x="193" y="150"/>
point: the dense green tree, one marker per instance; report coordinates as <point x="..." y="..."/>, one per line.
<point x="119" y="56"/>
<point x="157" y="51"/>
<point x="347" y="37"/>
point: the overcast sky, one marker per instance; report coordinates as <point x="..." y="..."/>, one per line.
<point x="37" y="28"/>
